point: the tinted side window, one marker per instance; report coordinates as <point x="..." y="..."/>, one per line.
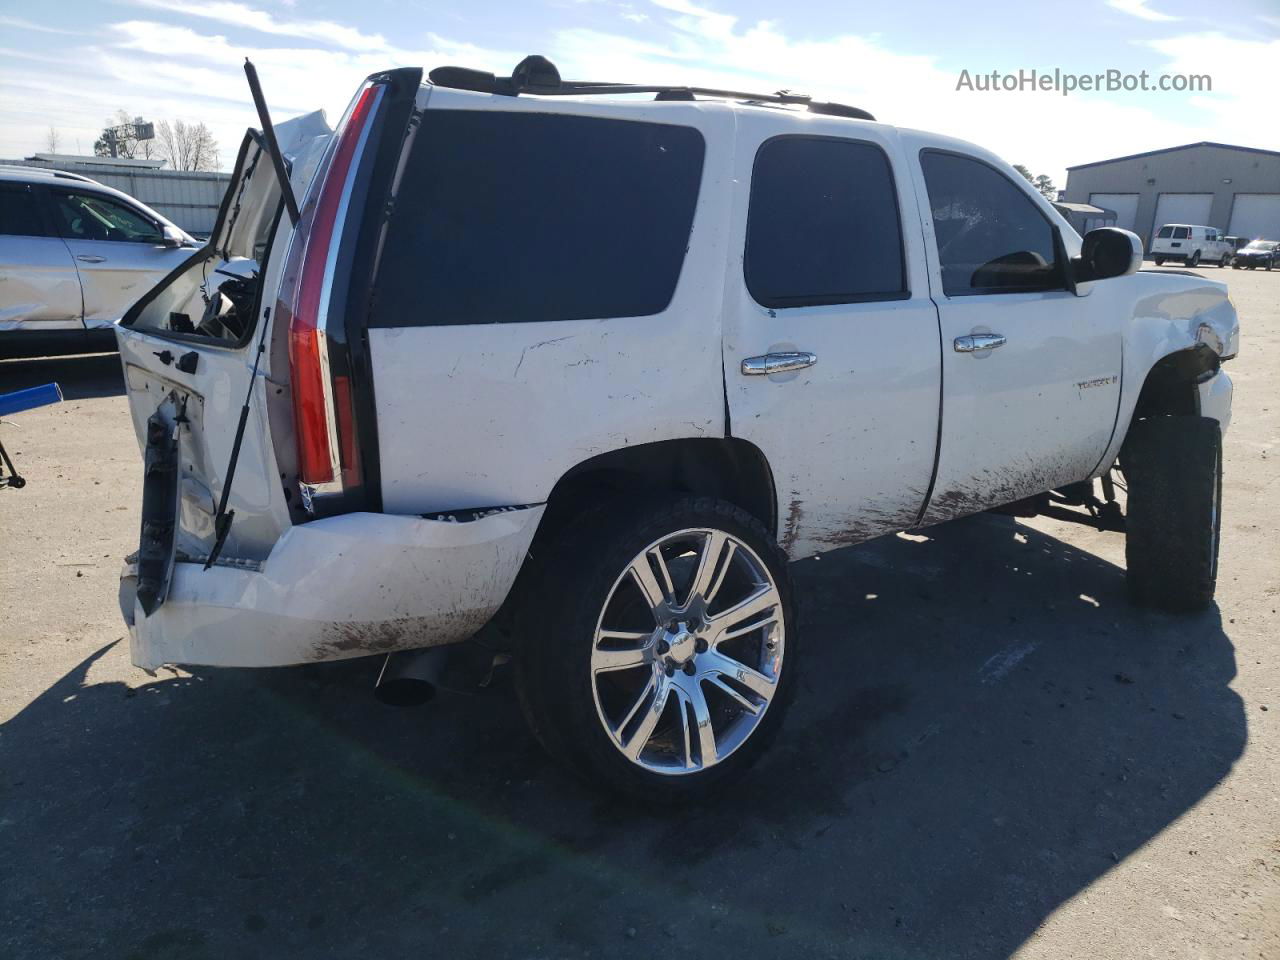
<point x="20" y="212"/>
<point x="823" y="226"/>
<point x="87" y="216"/>
<point x="1180" y="233"/>
<point x="511" y="217"/>
<point x="991" y="237"/>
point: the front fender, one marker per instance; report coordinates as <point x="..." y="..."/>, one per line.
<point x="1172" y="313"/>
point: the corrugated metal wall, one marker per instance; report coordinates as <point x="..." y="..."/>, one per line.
<point x="189" y="199"/>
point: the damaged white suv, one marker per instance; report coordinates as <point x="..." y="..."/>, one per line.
<point x="592" y="368"/>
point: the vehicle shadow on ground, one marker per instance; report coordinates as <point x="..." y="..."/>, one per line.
<point x="81" y="377"/>
<point x="985" y="728"/>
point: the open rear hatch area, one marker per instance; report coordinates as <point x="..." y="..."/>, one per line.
<point x="188" y="349"/>
<point x="262" y="539"/>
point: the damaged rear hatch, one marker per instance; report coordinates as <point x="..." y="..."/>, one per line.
<point x="195" y="351"/>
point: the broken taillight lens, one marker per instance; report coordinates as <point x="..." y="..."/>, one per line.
<point x="323" y="412"/>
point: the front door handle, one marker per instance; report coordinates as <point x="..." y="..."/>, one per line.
<point x="89" y="258"/>
<point x="977" y="342"/>
<point x="777" y="363"/>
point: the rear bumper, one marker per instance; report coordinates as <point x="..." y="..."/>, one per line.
<point x="347" y="586"/>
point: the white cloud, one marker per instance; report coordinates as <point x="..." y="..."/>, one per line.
<point x="1046" y="131"/>
<point x="19" y="24"/>
<point x="166" y="71"/>
<point x="1139" y="8"/>
<point x="249" y="18"/>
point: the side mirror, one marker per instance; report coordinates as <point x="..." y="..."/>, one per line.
<point x="173" y="238"/>
<point x="1107" y="252"/>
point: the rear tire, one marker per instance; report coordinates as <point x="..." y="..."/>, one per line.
<point x="1173" y="466"/>
<point x="1159" y="261"/>
<point x="628" y="674"/>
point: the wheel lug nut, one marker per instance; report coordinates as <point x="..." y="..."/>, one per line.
<point x="689" y="667"/>
<point x="700" y="645"/>
<point x="669" y="667"/>
<point x="663" y="646"/>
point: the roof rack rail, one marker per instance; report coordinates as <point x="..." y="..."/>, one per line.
<point x="538" y="76"/>
<point x="46" y="171"/>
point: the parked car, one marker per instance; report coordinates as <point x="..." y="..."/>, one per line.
<point x="585" y="372"/>
<point x="1257" y="253"/>
<point x="1235" y="243"/>
<point x="1189" y="244"/>
<point x="74" y="255"/>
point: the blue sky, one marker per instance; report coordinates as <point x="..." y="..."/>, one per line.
<point x="71" y="64"/>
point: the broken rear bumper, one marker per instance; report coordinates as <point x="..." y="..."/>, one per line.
<point x="346" y="586"/>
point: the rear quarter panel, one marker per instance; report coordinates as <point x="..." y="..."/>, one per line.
<point x="482" y="415"/>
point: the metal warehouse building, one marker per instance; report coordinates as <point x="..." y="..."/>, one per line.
<point x="188" y="198"/>
<point x="1236" y="189"/>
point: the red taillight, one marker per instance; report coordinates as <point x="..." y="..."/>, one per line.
<point x="309" y="265"/>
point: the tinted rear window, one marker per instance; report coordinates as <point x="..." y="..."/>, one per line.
<point x="521" y="217"/>
<point x="19" y="212"/>
<point x="823" y="225"/>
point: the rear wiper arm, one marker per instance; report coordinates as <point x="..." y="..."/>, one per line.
<point x="273" y="148"/>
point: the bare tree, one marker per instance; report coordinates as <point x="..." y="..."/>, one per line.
<point x="187" y="146"/>
<point x="52" y="140"/>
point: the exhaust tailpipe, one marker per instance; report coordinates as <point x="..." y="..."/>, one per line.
<point x="409" y="677"/>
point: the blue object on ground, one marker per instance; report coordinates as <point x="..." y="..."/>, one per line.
<point x="30" y="398"/>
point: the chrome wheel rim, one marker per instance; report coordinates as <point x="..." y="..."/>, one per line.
<point x="687" y="652"/>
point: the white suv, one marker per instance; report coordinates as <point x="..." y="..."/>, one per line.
<point x="74" y="256"/>
<point x="586" y="371"/>
<point x="1189" y="244"/>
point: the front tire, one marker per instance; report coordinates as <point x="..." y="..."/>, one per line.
<point x="1194" y="260"/>
<point x="1173" y="467"/>
<point x="1159" y="261"/>
<point x="660" y="652"/>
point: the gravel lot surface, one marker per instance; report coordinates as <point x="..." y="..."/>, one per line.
<point x="992" y="755"/>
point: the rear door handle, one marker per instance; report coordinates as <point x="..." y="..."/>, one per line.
<point x="89" y="258"/>
<point x="977" y="342"/>
<point x="777" y="363"/>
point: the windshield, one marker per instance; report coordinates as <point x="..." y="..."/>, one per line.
<point x="1263" y="245"/>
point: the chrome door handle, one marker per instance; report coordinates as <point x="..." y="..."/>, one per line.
<point x="777" y="363"/>
<point x="976" y="342"/>
<point x="87" y="258"/>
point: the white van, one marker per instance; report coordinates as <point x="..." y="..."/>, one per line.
<point x="1190" y="244"/>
